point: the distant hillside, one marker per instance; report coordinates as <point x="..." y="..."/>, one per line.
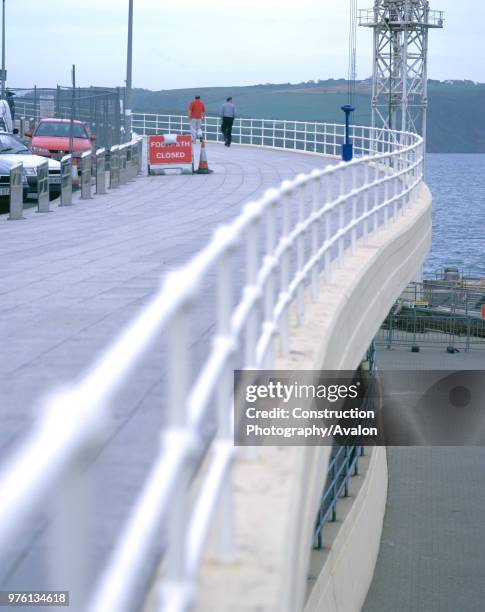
<point x="456" y="122"/>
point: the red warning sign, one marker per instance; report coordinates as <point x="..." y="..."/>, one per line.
<point x="172" y="153"/>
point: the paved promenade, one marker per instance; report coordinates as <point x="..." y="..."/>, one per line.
<point x="432" y="554"/>
<point x="71" y="279"/>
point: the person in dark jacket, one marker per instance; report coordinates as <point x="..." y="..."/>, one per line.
<point x="228" y="114"/>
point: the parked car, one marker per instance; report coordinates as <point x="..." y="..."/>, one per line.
<point x="6" y="123"/>
<point x="55" y="138"/>
<point x="5" y="166"/>
<point x="13" y="149"/>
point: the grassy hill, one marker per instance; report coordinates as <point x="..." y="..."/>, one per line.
<point x="455" y="119"/>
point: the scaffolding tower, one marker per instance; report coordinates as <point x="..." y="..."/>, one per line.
<point x="399" y="84"/>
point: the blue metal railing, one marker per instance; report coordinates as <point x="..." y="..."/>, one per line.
<point x="343" y="465"/>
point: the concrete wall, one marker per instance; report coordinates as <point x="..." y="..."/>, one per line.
<point x="277" y="493"/>
<point x="344" y="569"/>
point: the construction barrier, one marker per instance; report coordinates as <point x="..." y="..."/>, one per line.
<point x="170" y="151"/>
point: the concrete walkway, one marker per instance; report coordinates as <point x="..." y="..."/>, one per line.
<point x="432" y="555"/>
<point x="72" y="278"/>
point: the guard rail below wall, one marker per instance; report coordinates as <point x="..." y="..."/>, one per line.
<point x="344" y="462"/>
<point x="282" y="245"/>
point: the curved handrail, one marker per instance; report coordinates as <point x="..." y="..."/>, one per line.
<point x="283" y="243"/>
<point x="309" y="136"/>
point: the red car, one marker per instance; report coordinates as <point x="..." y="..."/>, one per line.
<point x="56" y="138"/>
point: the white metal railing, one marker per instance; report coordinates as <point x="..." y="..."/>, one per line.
<point x="290" y="241"/>
<point x="310" y="136"/>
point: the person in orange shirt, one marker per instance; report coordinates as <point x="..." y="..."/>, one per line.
<point x="196" y="115"/>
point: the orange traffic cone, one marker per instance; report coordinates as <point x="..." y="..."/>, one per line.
<point x="203" y="164"/>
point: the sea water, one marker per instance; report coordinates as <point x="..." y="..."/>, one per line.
<point x="457" y="183"/>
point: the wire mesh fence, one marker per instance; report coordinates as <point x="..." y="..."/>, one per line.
<point x="100" y="109"/>
<point x="441" y="296"/>
<point x="437" y="314"/>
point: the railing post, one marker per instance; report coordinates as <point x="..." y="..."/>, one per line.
<point x="353" y="232"/>
<point x="100" y="171"/>
<point x="341" y="214"/>
<point x="346" y="476"/>
<point x="43" y="187"/>
<point x="270" y="285"/>
<point x="252" y="263"/>
<point x="316" y="183"/>
<point x="300" y="255"/>
<point x="85" y="161"/>
<point x="334" y="493"/>
<point x="16" y="193"/>
<point x="66" y="181"/>
<point x="375" y="216"/>
<point x="114" y="167"/>
<point x="328" y="231"/>
<point x="366" y="203"/>
<point x="386" y="194"/>
<point x="69" y="533"/>
<point x="285" y="268"/>
<point x="225" y="404"/>
<point x="178" y="389"/>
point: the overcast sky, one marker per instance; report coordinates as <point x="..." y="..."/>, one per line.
<point x="192" y="43"/>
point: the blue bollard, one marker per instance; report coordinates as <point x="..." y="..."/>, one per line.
<point x="347" y="147"/>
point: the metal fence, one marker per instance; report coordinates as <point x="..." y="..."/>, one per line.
<point x="325" y="138"/>
<point x="282" y="245"/>
<point x="437" y="313"/>
<point x="440" y="296"/>
<point x="99" y="108"/>
<point x="419" y="328"/>
<point x="344" y="462"/>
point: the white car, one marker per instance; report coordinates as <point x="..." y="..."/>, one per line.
<point x="13" y="149"/>
<point x="6" y="123"/>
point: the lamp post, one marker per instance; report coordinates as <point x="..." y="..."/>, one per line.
<point x="347" y="147"/>
<point x="129" y="69"/>
<point x="4" y="72"/>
